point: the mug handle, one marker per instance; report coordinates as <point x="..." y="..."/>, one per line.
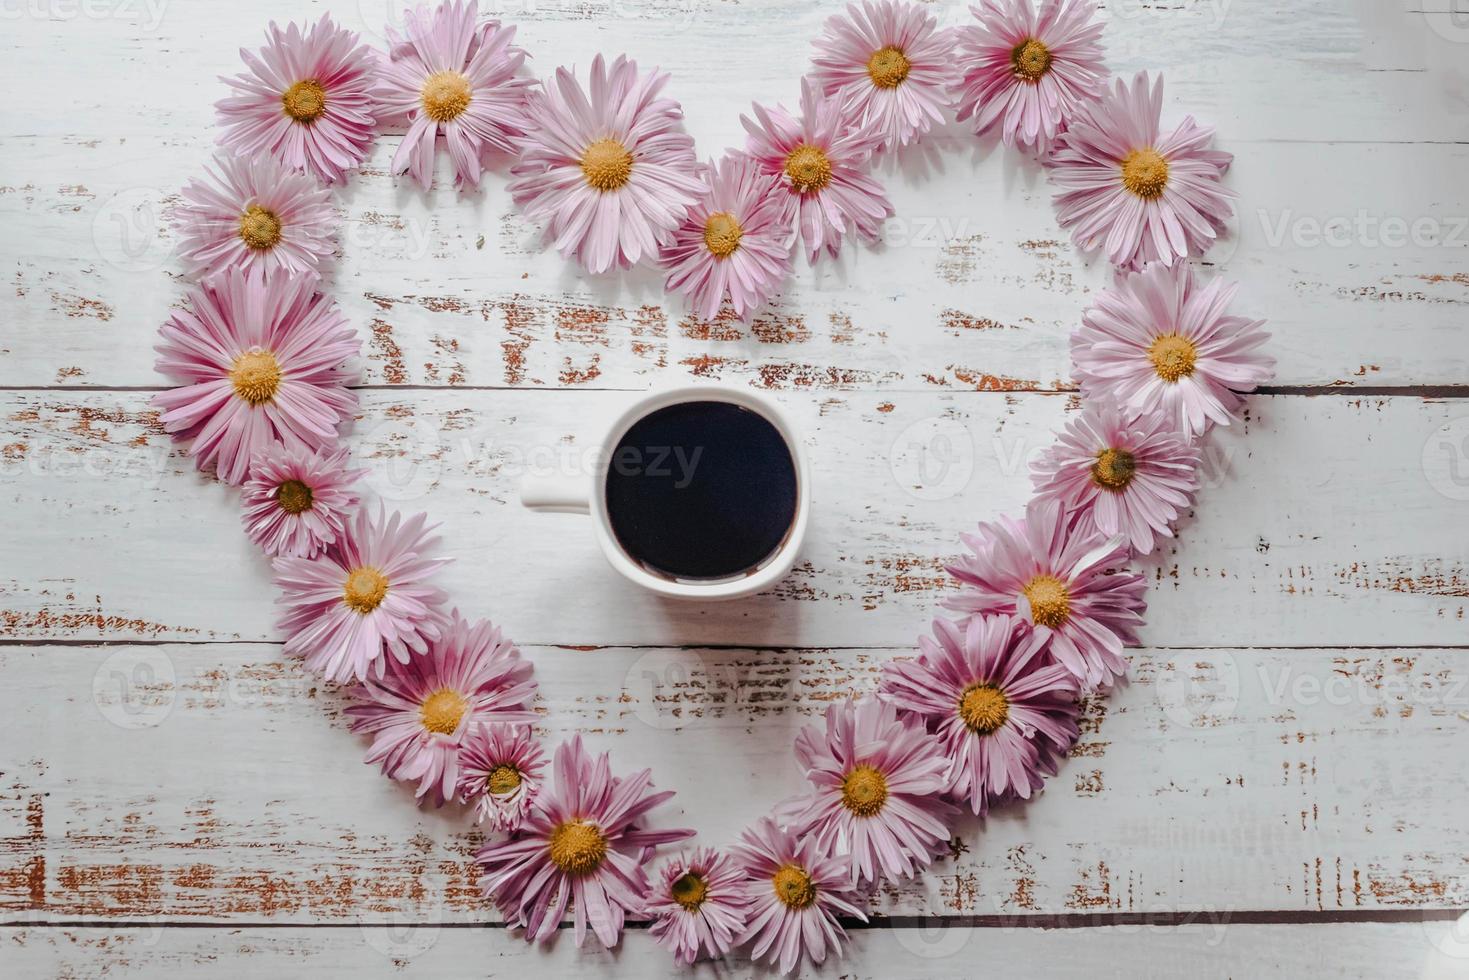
<point x="557" y="494"/>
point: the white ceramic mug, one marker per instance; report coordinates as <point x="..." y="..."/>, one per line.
<point x="585" y="494"/>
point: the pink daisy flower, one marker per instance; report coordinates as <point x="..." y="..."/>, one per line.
<point x="421" y="711"/>
<point x="297" y="501"/>
<point x="1157" y="342"/>
<point x="368" y="594"/>
<point x="889" y="62"/>
<point x="797" y="891"/>
<point x="1120" y="474"/>
<point x="1026" y="70"/>
<point x="455" y="80"/>
<point x="735" y="241"/>
<point x="582" y="845"/>
<point x="822" y="158"/>
<point x="1004" y="712"/>
<point x="255" y="215"/>
<point x="1069" y="586"/>
<point x="877" y="782"/>
<point x="609" y="169"/>
<point x="306" y="100"/>
<point x="261" y="359"/>
<point x="500" y="773"/>
<point x="698" y="903"/>
<point x="1139" y="196"/>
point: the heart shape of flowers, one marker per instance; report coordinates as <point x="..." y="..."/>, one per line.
<point x="1047" y="604"/>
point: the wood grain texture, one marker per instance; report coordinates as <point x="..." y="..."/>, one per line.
<point x="219" y="782"/>
<point x="1323" y="521"/>
<point x="975" y="286"/>
<point x="1397" y="951"/>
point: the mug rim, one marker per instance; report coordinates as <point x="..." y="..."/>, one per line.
<point x="777" y="564"/>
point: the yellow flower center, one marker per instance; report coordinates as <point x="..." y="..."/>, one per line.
<point x="1145" y="173"/>
<point x="445" y="95"/>
<point x="607" y="165"/>
<point x="864" y="791"/>
<point x="294" y="497"/>
<point x="1114" y="468"/>
<point x="256" y="376"/>
<point x="504" y="778"/>
<point x="304" y="101"/>
<point x="577" y="847"/>
<point x="888" y="67"/>
<point x="260" y="229"/>
<point x="1050" y="603"/>
<point x="689" y="891"/>
<point x="1031" y="60"/>
<point x="808" y="168"/>
<point x="983" y="708"/>
<point x="1173" y="357"/>
<point x="442" y="711"/>
<point x="365" y="589"/>
<point x="793" y="887"/>
<point x="722" y="234"/>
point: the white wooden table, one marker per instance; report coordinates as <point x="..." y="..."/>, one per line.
<point x="1280" y="791"/>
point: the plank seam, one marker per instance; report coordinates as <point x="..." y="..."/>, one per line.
<point x="1059" y="920"/>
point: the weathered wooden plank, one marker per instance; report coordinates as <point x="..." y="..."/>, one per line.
<point x="1326" y="520"/>
<point x="976" y="287"/>
<point x="219" y="782"/>
<point x="1246" y="64"/>
<point x="974" y="259"/>
<point x="1374" y="951"/>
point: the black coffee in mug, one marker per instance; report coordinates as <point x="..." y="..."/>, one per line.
<point x="701" y="490"/>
